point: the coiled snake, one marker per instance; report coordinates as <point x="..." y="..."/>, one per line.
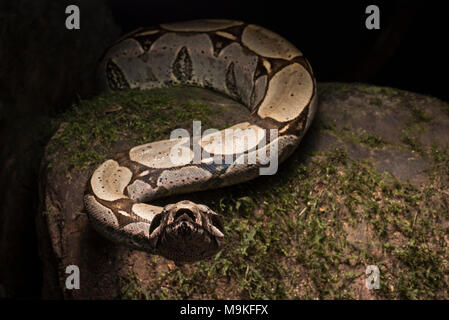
<point x="247" y="62"/>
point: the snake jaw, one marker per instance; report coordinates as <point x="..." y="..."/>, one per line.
<point x="186" y="232"/>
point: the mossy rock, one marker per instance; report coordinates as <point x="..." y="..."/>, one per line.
<point x="369" y="185"/>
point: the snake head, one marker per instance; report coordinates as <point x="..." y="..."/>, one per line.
<point x="186" y="232"/>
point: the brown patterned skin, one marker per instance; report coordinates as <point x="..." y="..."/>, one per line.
<point x="246" y="62"/>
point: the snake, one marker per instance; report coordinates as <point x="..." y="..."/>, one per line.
<point x="246" y="62"/>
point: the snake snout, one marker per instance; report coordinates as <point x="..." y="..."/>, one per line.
<point x="185" y="215"/>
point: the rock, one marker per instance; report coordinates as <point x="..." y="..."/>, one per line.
<point x="67" y="238"/>
<point x="395" y="130"/>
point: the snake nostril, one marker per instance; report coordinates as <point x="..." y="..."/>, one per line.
<point x="184" y="214"/>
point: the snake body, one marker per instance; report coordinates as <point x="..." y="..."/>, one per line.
<point x="247" y="62"/>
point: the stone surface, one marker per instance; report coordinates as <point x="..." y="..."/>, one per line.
<point x="67" y="238"/>
<point x="386" y="126"/>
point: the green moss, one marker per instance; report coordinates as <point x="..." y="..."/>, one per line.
<point x="411" y="141"/>
<point x="365" y="138"/>
<point x="414" y="128"/>
<point x="369" y="139"/>
<point x="330" y="126"/>
<point x="440" y="170"/>
<point x="131" y="288"/>
<point x="420" y="115"/>
<point x="375" y="101"/>
<point x="92" y="127"/>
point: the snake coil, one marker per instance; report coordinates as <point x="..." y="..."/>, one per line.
<point x="247" y="62"/>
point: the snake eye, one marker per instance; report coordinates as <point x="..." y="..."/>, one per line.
<point x="156" y="222"/>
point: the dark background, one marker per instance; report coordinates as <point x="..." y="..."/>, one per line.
<point x="410" y="50"/>
<point x="44" y="68"/>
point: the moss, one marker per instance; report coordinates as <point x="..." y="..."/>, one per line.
<point x="440" y="170"/>
<point x="329" y="126"/>
<point x="376" y="101"/>
<point x="89" y="131"/>
<point x="131" y="288"/>
<point x="369" y="139"/>
<point x="411" y="141"/>
<point x="420" y="115"/>
<point x="413" y="129"/>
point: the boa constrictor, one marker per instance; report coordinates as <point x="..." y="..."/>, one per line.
<point x="247" y="62"/>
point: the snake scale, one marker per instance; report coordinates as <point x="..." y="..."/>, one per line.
<point x="246" y="62"/>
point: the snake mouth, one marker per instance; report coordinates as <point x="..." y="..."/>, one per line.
<point x="184" y="215"/>
<point x="185" y="221"/>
